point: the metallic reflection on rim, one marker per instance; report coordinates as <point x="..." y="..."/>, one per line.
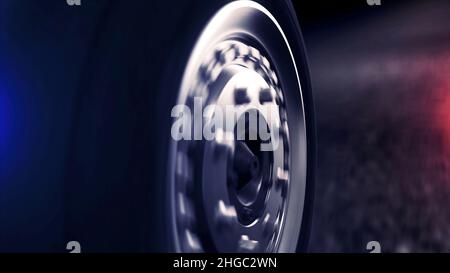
<point x="228" y="195"/>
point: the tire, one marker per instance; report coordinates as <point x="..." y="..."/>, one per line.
<point x="288" y="23"/>
<point x="121" y="161"/>
<point x="204" y="239"/>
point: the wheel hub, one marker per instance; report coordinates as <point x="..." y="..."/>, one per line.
<point x="229" y="194"/>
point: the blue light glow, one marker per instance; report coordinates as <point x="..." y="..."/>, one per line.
<point x="3" y="119"/>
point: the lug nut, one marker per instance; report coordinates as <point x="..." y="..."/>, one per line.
<point x="245" y="244"/>
<point x="192" y="243"/>
<point x="268" y="227"/>
<point x="282" y="181"/>
<point x="225" y="215"/>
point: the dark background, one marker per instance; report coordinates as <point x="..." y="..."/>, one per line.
<point x="381" y="84"/>
<point x="381" y="81"/>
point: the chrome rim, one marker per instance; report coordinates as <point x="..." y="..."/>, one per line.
<point x="226" y="194"/>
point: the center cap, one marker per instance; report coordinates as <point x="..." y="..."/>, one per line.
<point x="249" y="175"/>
